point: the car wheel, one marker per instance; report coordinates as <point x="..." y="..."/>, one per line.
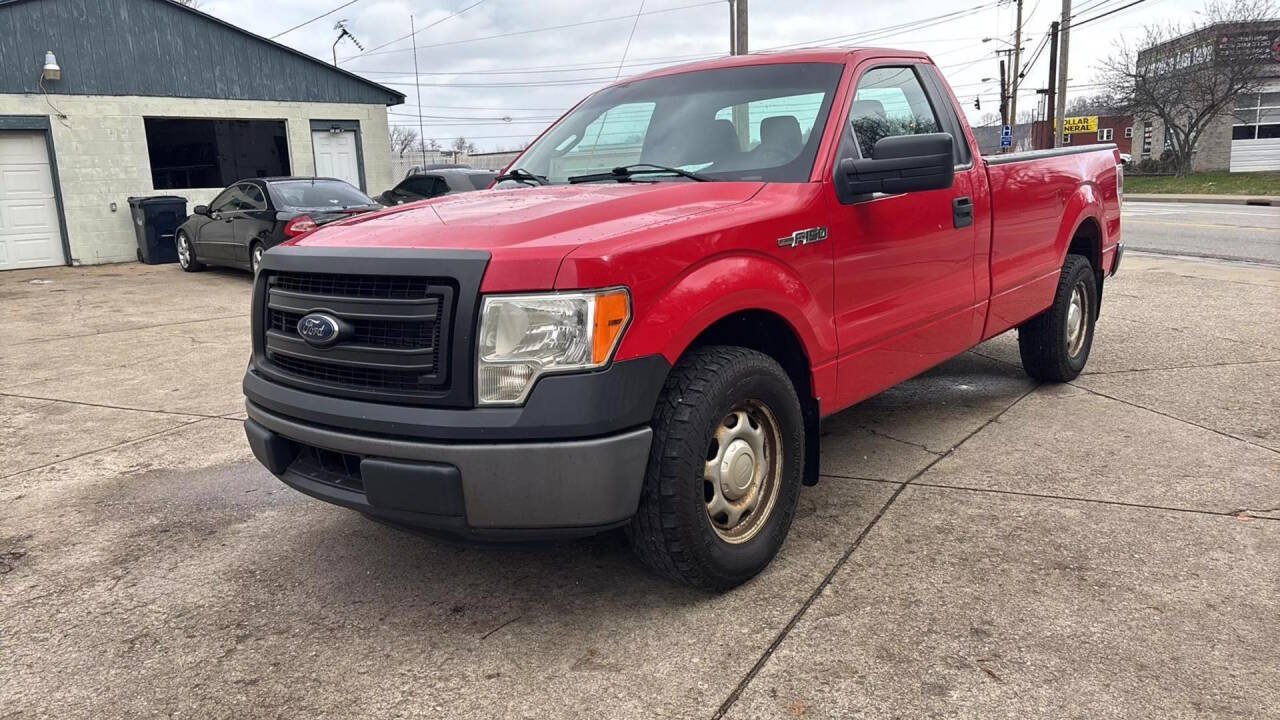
<point x="187" y="253"/>
<point x="1055" y="344"/>
<point x="255" y="257"/>
<point x="724" y="470"/>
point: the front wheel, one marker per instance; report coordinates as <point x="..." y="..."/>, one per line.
<point x="1055" y="344"/>
<point x="255" y="257"/>
<point x="724" y="471"/>
<point x="187" y="254"/>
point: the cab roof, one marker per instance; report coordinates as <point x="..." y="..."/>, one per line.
<point x="800" y="55"/>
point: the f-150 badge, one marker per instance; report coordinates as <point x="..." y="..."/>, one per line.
<point x="803" y="237"/>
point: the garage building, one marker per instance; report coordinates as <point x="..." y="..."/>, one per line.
<point x="150" y="97"/>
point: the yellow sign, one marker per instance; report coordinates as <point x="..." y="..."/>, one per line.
<point x="1082" y="124"/>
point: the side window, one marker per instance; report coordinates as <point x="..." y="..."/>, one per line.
<point x="890" y="101"/>
<point x="254" y="198"/>
<point x="423" y="186"/>
<point x="225" y="202"/>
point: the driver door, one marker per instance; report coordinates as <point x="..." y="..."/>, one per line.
<point x="217" y="237"/>
<point x="904" y="264"/>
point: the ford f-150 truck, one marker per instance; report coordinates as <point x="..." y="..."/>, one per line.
<point x="643" y="323"/>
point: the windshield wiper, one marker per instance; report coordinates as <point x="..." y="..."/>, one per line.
<point x="521" y="175"/>
<point x="626" y="172"/>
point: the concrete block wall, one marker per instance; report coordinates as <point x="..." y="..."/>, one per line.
<point x="101" y="149"/>
<point x="1213" y="152"/>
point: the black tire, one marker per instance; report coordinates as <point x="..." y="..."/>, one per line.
<point x="673" y="531"/>
<point x="255" y="248"/>
<point x="192" y="264"/>
<point x="1045" y="342"/>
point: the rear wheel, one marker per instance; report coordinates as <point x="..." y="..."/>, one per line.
<point x="724" y="471"/>
<point x="1055" y="344"/>
<point x="187" y="253"/>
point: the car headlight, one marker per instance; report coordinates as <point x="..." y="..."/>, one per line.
<point x="523" y="337"/>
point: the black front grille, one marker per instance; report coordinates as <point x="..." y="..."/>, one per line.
<point x="336" y="374"/>
<point x="389" y="287"/>
<point x="331" y="468"/>
<point x="378" y="333"/>
<point x="394" y="341"/>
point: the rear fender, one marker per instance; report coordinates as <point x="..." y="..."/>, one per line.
<point x="1084" y="204"/>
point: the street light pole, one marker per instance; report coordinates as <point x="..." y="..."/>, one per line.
<point x="1064" y="39"/>
<point x="1013" y="79"/>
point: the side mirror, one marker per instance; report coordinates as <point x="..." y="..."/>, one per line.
<point x="201" y="210"/>
<point x="902" y="164"/>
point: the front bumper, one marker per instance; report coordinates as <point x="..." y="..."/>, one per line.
<point x="570" y="462"/>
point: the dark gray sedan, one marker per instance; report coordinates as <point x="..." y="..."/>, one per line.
<point x="434" y="183"/>
<point x="253" y="215"/>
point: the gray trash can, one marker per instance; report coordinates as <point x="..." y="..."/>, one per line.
<point x="155" y="222"/>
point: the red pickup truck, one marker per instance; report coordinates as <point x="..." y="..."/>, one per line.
<point x="643" y="323"/>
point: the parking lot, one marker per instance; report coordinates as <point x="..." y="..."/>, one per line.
<point x="978" y="546"/>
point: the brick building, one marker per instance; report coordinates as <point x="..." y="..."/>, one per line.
<point x="151" y="97"/>
<point x="1118" y="129"/>
<point x="1246" y="139"/>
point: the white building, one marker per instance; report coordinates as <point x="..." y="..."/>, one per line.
<point x="153" y="98"/>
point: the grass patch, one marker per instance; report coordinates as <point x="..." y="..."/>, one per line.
<point x="1207" y="183"/>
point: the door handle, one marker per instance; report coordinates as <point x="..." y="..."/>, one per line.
<point x="962" y="211"/>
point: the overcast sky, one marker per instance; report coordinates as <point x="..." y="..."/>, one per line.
<point x="472" y="81"/>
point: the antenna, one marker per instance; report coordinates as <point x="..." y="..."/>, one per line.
<point x="343" y="32"/>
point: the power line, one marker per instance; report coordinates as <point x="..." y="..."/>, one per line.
<point x="1075" y="25"/>
<point x="534" y="30"/>
<point x="318" y="17"/>
<point x="370" y="51"/>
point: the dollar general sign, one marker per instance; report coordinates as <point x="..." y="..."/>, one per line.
<point x="1082" y="124"/>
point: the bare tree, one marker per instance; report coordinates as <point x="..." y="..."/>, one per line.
<point x="1188" y="77"/>
<point x="433" y="145"/>
<point x="403" y="139"/>
<point x="1100" y="104"/>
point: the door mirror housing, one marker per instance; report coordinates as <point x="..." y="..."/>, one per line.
<point x="903" y="164"/>
<point x="201" y="210"/>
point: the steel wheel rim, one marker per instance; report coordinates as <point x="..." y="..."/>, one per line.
<point x="1077" y="319"/>
<point x="184" y="251"/>
<point x="742" y="474"/>
<point x="257" y="259"/>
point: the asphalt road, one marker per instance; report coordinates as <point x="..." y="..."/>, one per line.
<point x="1227" y="232"/>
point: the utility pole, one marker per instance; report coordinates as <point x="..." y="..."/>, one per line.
<point x="1051" y="102"/>
<point x="733" y="28"/>
<point x="422" y="135"/>
<point x="1004" y="96"/>
<point x="1060" y="111"/>
<point x="740" y="27"/>
<point x="1013" y="80"/>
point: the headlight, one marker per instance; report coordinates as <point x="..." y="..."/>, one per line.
<point x="523" y="337"/>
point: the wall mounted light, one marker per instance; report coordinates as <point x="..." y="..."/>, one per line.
<point x="51" y="70"/>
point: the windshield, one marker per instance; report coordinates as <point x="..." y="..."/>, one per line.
<point x="760" y="122"/>
<point x="317" y="195"/>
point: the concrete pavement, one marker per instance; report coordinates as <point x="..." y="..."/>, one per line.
<point x="1261" y="200"/>
<point x="1229" y="232"/>
<point x="979" y="546"/>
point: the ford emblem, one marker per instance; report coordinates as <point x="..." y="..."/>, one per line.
<point x="319" y="329"/>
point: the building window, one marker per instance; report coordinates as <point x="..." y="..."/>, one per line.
<point x="1106" y="134"/>
<point x="196" y="153"/>
<point x="1066" y="139"/>
<point x="1257" y="116"/>
<point x="1128" y="133"/>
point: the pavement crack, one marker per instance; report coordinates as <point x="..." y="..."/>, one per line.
<point x="486" y="635"/>
<point x="1182" y="367"/>
<point x="122" y="443"/>
<point x="111" y="407"/>
<point x="1175" y="417"/>
<point x="131" y="329"/>
<point x="887" y="436"/>
<point x="844" y="559"/>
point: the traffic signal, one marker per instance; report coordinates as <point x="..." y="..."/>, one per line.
<point x="977" y="103"/>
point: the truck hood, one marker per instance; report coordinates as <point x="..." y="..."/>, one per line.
<point x="528" y="231"/>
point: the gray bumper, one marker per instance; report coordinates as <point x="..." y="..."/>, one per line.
<point x="464" y="487"/>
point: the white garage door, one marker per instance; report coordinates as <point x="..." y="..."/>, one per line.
<point x="29" y="233"/>
<point x="336" y="155"/>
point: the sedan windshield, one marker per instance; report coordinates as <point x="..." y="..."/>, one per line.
<point x="318" y="194"/>
<point x="759" y="122"/>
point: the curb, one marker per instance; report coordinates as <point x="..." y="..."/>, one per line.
<point x="1255" y="200"/>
